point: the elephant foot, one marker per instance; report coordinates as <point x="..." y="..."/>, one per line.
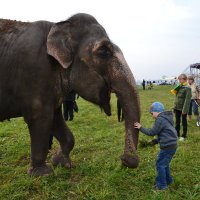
<point x="43" y="170"/>
<point x="59" y="159"/>
<point x="130" y="161"/>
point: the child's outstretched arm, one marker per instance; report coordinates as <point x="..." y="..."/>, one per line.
<point x="157" y="127"/>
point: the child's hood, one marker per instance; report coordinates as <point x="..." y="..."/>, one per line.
<point x="168" y="115"/>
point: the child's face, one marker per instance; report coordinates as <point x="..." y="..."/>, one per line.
<point x="155" y="114"/>
<point x="181" y="80"/>
<point x="190" y="81"/>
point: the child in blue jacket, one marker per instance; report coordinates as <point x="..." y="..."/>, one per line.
<point x="167" y="138"/>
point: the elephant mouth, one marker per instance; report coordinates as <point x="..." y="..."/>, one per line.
<point x="105" y="96"/>
<point x="106" y="108"/>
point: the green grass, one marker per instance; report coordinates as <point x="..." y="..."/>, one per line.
<point x="98" y="174"/>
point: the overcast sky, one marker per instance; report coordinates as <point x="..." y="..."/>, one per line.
<point x="157" y="37"/>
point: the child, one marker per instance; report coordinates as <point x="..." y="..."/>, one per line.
<point x="182" y="104"/>
<point x="167" y="138"/>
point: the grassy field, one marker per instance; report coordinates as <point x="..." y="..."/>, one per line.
<point x="97" y="172"/>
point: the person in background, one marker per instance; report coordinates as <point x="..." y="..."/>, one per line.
<point x="68" y="106"/>
<point x="166" y="134"/>
<point x="195" y="96"/>
<point x="181" y="104"/>
<point x="120" y="114"/>
<point x="143" y="84"/>
<point x="150" y="85"/>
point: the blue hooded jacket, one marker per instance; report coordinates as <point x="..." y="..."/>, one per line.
<point x="164" y="129"/>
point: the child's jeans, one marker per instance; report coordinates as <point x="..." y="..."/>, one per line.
<point x="164" y="177"/>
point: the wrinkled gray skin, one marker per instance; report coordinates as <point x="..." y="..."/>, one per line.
<point x="41" y="61"/>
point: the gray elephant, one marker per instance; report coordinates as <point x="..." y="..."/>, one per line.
<point x="42" y="61"/>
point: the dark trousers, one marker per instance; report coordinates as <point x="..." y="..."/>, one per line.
<point x="120" y="114"/>
<point x="179" y="117"/>
<point x="68" y="108"/>
<point x="50" y="140"/>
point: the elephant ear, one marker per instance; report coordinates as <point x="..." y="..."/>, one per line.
<point x="58" y="46"/>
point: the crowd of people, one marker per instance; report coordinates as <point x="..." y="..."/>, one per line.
<point x="187" y="86"/>
<point x="187" y="96"/>
<point x="149" y="85"/>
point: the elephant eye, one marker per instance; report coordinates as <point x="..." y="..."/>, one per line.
<point x="104" y="51"/>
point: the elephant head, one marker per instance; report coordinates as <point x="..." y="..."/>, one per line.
<point x="95" y="67"/>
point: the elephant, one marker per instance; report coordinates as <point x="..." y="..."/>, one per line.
<point x="42" y="61"/>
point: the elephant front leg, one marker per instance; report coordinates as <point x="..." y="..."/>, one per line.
<point x="39" y="132"/>
<point x="66" y="140"/>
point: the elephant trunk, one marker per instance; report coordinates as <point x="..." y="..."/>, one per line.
<point x="123" y="84"/>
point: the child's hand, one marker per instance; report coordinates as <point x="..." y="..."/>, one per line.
<point x="137" y="125"/>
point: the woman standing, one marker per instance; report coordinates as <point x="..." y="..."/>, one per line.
<point x="195" y="95"/>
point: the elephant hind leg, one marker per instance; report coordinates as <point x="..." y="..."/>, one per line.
<point x="66" y="140"/>
<point x="60" y="159"/>
<point x="43" y="170"/>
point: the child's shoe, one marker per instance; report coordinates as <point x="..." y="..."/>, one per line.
<point x="155" y="188"/>
<point x="181" y="139"/>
